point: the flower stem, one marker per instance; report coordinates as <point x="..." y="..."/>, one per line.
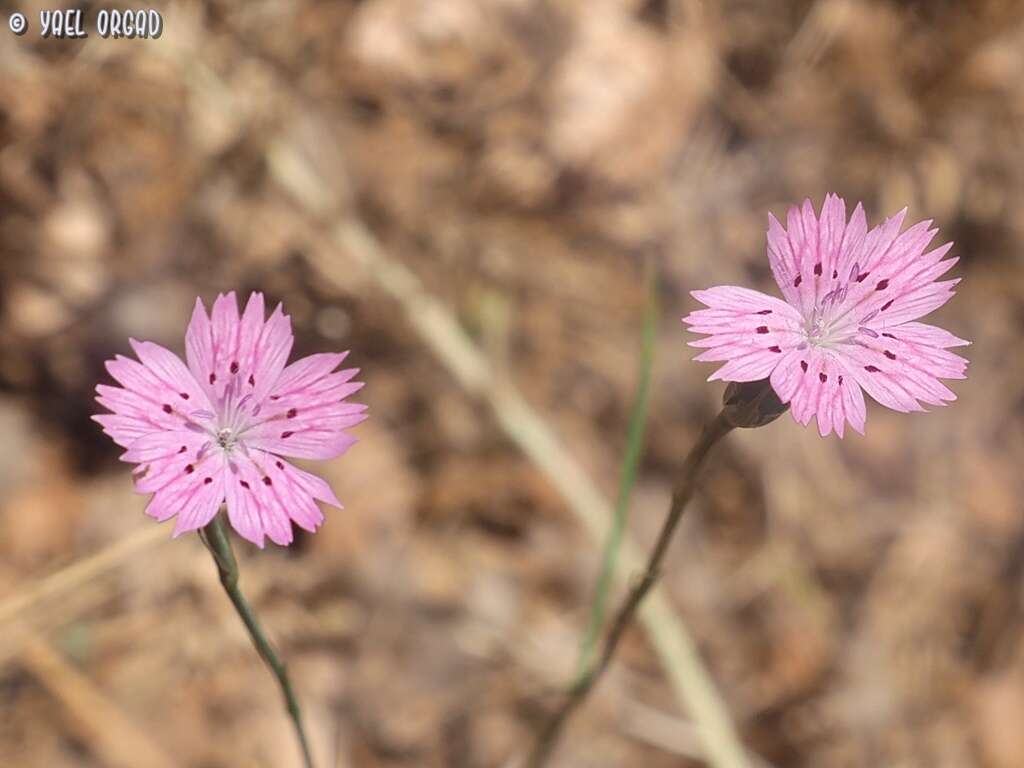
<point x="630" y="464"/>
<point x="216" y="538"/>
<point x="548" y="737"/>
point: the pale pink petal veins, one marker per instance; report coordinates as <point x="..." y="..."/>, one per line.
<point x="241" y="487"/>
<point x="748" y="329"/>
<point x="309" y="410"/>
<point x="831" y="229"/>
<point x="818" y="383"/>
<point x="899" y="375"/>
<point x="932" y="336"/>
<point x="854" y="408"/>
<point x="274" y="346"/>
<point x="197" y="505"/>
<point x="850" y="294"/>
<point x="123" y="430"/>
<point x="224" y="328"/>
<point x="853" y="240"/>
<point x="237" y="355"/>
<point x="180" y="445"/>
<point x="191" y="490"/>
<point x="265" y="493"/>
<point x="157" y="394"/>
<point x="199" y="345"/>
<point x="903" y="286"/>
<point x="807" y="266"/>
<point x="171" y="374"/>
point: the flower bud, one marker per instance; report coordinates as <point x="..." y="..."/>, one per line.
<point x="751" y="404"/>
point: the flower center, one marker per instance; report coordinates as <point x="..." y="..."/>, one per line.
<point x="819" y="329"/>
<point x="227" y="439"/>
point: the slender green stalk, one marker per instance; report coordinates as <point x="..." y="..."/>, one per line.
<point x="548" y="737"/>
<point x="630" y="463"/>
<point x="216" y="538"/>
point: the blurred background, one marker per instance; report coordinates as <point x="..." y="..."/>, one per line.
<point x="393" y="170"/>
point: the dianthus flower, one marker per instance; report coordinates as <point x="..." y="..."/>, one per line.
<point x="847" y="324"/>
<point x="217" y="430"/>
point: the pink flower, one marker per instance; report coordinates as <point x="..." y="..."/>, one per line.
<point x="216" y="430"/>
<point x="846" y="324"/>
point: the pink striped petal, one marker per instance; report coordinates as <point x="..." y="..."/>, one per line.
<point x="265" y="494"/>
<point x="124" y="430"/>
<point x="194" y="496"/>
<point x="748" y="329"/>
<point x="272" y="350"/>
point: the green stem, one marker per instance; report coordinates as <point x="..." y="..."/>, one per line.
<point x="630" y="464"/>
<point x="548" y="737"/>
<point x="216" y="538"/>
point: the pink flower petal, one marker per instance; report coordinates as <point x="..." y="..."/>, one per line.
<point x="199" y="345"/>
<point x="247" y="510"/>
<point x="226" y="351"/>
<point x="818" y="383"/>
<point x="155" y="395"/>
<point x="170" y="376"/>
<point x="265" y="494"/>
<point x="308" y="412"/>
<point x="899" y="374"/>
<point x="929" y="336"/>
<point x="194" y="495"/>
<point x="748" y="329"/>
<point x="123" y="430"/>
<point x="272" y="350"/>
<point x="198" y="508"/>
<point x="179" y="445"/>
<point x="307" y="442"/>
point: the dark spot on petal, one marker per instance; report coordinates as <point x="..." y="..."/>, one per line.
<point x="823" y="377"/>
<point x="183" y="395"/>
<point x="889" y="354"/>
<point x="774" y="348"/>
<point x="207" y="480"/>
<point x="817" y="268"/>
<point x="889" y="335"/>
<point x="765" y="312"/>
<point x="213" y="378"/>
<point x="835" y="274"/>
<point x="234" y="366"/>
<point x="882" y="285"/>
<point x="182" y="449"/>
<point x="167" y="408"/>
<point x="872" y="369"/>
<point x="266" y="480"/>
<point x="189" y="469"/>
<point x="252" y="381"/>
<point x="292" y="413"/>
<point x="280" y="465"/>
<point x="799" y="279"/>
<point x="887" y="305"/>
<point x="803" y="364"/>
<point x="243" y="484"/>
<point x="762" y="329"/>
<point x="840" y="380"/>
<point x="862" y="277"/>
<point x="289" y="433"/>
